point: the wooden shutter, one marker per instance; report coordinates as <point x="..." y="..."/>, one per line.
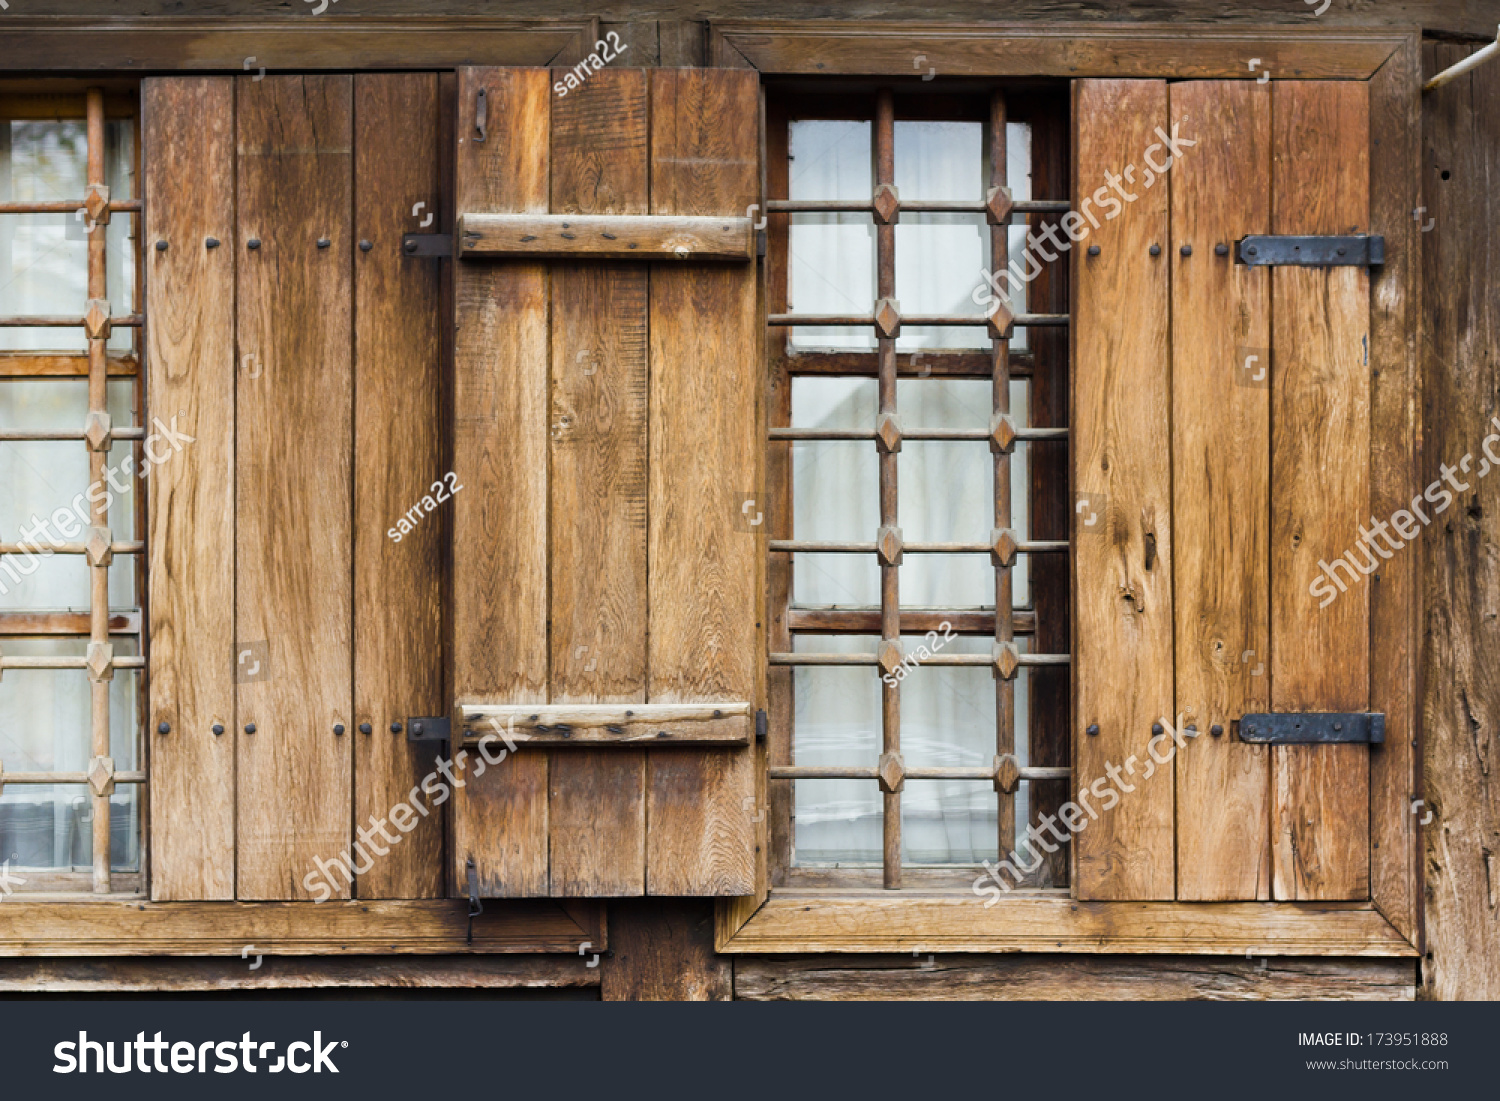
<point x="307" y="369"/>
<point x="607" y="415"/>
<point x="1221" y="491"/>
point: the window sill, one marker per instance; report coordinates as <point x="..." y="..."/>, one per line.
<point x="863" y="920"/>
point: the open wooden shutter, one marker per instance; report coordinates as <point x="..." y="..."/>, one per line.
<point x="302" y="352"/>
<point x="607" y="586"/>
<point x="1222" y="438"/>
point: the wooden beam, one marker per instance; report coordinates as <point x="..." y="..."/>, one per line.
<point x="663" y="950"/>
<point x="875" y="921"/>
<point x="1013" y="49"/>
<point x="605" y="236"/>
<point x="112" y="926"/>
<point x="595" y="725"/>
<point x="341" y="42"/>
<point x="1069" y="978"/>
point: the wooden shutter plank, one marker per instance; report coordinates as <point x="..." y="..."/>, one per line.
<point x="1122" y="573"/>
<point x="292" y="479"/>
<point x="705" y="584"/>
<point x="1221" y="453"/>
<point x="597" y="799"/>
<point x="500" y="446"/>
<point x="1320" y="488"/>
<point x="398" y="367"/>
<point x="188" y="139"/>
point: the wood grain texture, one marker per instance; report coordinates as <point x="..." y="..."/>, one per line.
<point x="293" y="479"/>
<point x="1122" y="580"/>
<point x="1221" y="460"/>
<point x="398" y="388"/>
<point x="1461" y="578"/>
<point x="604" y="237"/>
<point x="597" y="827"/>
<point x="499" y="444"/>
<point x="1070" y="979"/>
<point x="1320" y="488"/>
<point x="188" y="138"/>
<point x="705" y="460"/>
<point x="1395" y="445"/>
<point x="866" y="921"/>
<point x="586" y="725"/>
<point x="663" y="950"/>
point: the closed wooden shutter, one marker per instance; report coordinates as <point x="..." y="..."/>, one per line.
<point x="1222" y="491"/>
<point x="284" y="624"/>
<point x="607" y="416"/>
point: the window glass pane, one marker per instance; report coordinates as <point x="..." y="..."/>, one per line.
<point x="831" y="267"/>
<point x="835" y="579"/>
<point x="835" y="490"/>
<point x="45" y="727"/>
<point x="949" y="822"/>
<point x="44" y="257"/>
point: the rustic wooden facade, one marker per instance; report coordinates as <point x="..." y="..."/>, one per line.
<point x="595" y="600"/>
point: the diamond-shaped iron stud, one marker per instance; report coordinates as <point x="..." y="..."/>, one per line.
<point x="888" y="318"/>
<point x="891" y="772"/>
<point x="888" y="545"/>
<point x="889" y="655"/>
<point x="97" y="547"/>
<point x="1003" y="546"/>
<point x="998" y="205"/>
<point x="96" y="320"/>
<point x="96" y="427"/>
<point x="102" y="775"/>
<point x="888" y="433"/>
<point x="1000" y="321"/>
<point x="1007" y="660"/>
<point x="99" y="658"/>
<point x="96" y="204"/>
<point x="1007" y="774"/>
<point x="1002" y="434"/>
<point x="887" y="203"/>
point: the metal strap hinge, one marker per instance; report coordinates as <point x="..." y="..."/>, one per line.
<point x="436" y="728"/>
<point x="427" y="244"/>
<point x="475" y="906"/>
<point x="1313" y="728"/>
<point x="1360" y="250"/>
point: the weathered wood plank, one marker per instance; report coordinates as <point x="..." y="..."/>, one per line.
<point x="596" y="725"/>
<point x="705" y="641"/>
<point x="499" y="447"/>
<point x="1122" y="580"/>
<point x="188" y="138"/>
<point x="86" y="925"/>
<point x="398" y="438"/>
<point x="293" y="600"/>
<point x="1320" y="489"/>
<point x="1460" y="815"/>
<point x="824" y="920"/>
<point x="663" y="950"/>
<point x="1395" y="441"/>
<point x="597" y="830"/>
<point x="1070" y="979"/>
<point x="617" y="237"/>
<point x="1221" y="459"/>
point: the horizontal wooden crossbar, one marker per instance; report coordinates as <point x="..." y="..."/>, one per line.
<point x="846" y="619"/>
<point x="842" y="772"/>
<point x="814" y="546"/>
<point x="945" y="434"/>
<point x="1024" y="320"/>
<point x="619" y="237"/>
<point x="935" y="659"/>
<point x="596" y="725"/>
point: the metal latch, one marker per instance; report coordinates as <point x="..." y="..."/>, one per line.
<point x="428" y="729"/>
<point x="427" y="244"/>
<point x="1361" y="251"/>
<point x="1313" y="728"/>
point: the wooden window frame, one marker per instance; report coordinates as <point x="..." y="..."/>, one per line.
<point x="826" y="919"/>
<point x="852" y="920"/>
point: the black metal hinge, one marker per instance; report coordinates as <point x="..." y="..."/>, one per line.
<point x="1360" y="251"/>
<point x="428" y="729"/>
<point x="427" y="244"/>
<point x="1313" y="728"/>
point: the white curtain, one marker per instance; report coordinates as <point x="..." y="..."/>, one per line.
<point x="44" y="714"/>
<point x="945" y="493"/>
